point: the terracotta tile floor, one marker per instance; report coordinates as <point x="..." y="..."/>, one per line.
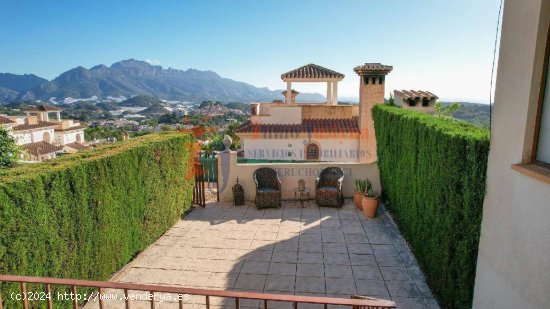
<point x="292" y="250"/>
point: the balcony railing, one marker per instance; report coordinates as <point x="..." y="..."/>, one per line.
<point x="102" y="286"/>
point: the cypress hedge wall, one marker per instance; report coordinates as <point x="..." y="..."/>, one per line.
<point x="87" y="214"/>
<point x="432" y="173"/>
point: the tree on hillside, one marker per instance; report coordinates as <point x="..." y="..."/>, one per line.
<point x="446" y="112"/>
<point x="9" y="151"/>
<point x="391" y="100"/>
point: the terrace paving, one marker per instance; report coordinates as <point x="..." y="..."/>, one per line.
<point x="292" y="250"/>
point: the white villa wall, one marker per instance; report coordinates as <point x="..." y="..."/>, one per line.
<point x="513" y="265"/>
<point x="22" y="138"/>
<point x="27" y="137"/>
<point x="331" y="149"/>
<point x="64" y="138"/>
<point x="289" y="173"/>
<point x="38" y="135"/>
<point x="280" y="114"/>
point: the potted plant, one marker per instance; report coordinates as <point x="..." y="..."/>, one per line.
<point x="370" y="201"/>
<point x="360" y="187"/>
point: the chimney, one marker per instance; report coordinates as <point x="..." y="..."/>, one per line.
<point x="293" y="94"/>
<point x="371" y="92"/>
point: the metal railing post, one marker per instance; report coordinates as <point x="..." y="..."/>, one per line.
<point x="126" y="299"/>
<point x="100" y="297"/>
<point x="24" y="295"/>
<point x="49" y="295"/>
<point x="75" y="299"/>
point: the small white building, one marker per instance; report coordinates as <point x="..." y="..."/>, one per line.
<point x="321" y="131"/>
<point x="43" y="138"/>
<point x="418" y="100"/>
<point x="66" y="131"/>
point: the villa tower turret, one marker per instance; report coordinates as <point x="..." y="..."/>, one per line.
<point x="371" y="92"/>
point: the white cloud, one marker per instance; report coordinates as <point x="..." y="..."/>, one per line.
<point x="152" y="61"/>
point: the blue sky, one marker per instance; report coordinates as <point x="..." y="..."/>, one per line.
<point x="442" y="46"/>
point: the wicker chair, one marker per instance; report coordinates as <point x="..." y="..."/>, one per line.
<point x="268" y="188"/>
<point x="328" y="187"/>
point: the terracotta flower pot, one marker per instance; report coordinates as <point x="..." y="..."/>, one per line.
<point x="357" y="199"/>
<point x="370" y="206"/>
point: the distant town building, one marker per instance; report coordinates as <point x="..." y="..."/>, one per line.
<point x="418" y="100"/>
<point x="121" y="122"/>
<point x="43" y="137"/>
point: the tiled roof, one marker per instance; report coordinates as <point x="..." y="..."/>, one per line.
<point x="347" y="125"/>
<point x="41" y="148"/>
<point x="43" y="108"/>
<point x="79" y="127"/>
<point x="39" y="125"/>
<point x="312" y="71"/>
<point x="373" y="68"/>
<point x="416" y="94"/>
<point x="77" y="146"/>
<point x="5" y="120"/>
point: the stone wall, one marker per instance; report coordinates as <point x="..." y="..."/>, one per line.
<point x="289" y="173"/>
<point x="329" y="111"/>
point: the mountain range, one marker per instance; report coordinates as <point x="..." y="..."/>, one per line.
<point x="11" y="85"/>
<point x="132" y="77"/>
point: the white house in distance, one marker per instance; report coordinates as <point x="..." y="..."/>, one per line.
<point x="323" y="131"/>
<point x="43" y="138"/>
<point x="418" y="100"/>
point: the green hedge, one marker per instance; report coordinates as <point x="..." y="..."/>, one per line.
<point x="433" y="178"/>
<point x="86" y="215"/>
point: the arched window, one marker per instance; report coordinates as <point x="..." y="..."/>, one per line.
<point x="312" y="152"/>
<point x="46" y="137"/>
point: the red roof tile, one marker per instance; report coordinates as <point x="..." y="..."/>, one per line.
<point x="312" y="71"/>
<point x="347" y="125"/>
<point x="77" y="146"/>
<point x="39" y="125"/>
<point x="41" y="148"/>
<point x="416" y="94"/>
<point x="5" y="120"/>
<point x="373" y="68"/>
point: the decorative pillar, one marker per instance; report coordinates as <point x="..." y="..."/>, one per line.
<point x="329" y="94"/>
<point x="288" y="93"/>
<point x="335" y="93"/>
<point x="58" y="116"/>
<point x="227" y="172"/>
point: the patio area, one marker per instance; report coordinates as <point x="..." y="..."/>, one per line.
<point x="292" y="250"/>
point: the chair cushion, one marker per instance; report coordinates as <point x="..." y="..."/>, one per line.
<point x="328" y="189"/>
